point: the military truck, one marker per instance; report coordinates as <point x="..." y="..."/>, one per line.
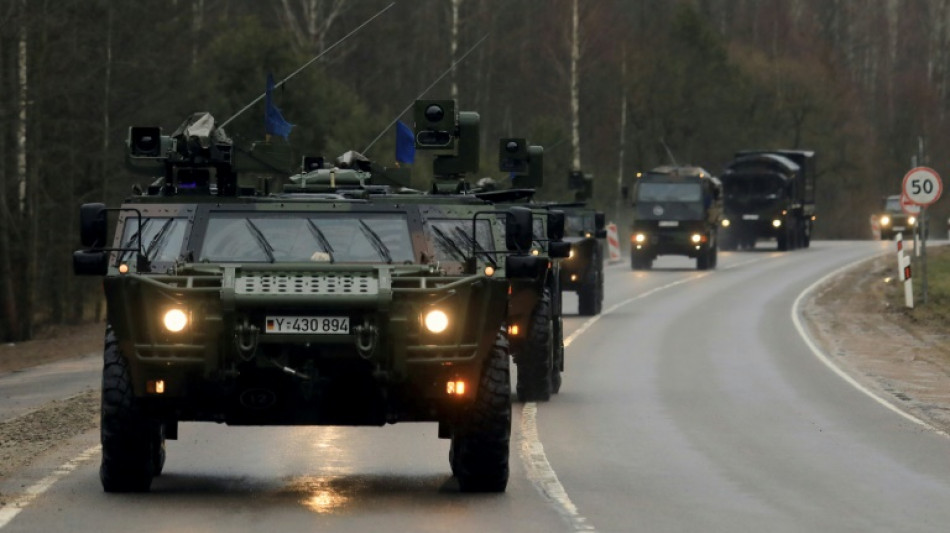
<point x="585" y="228"/>
<point x="892" y="219"/>
<point x="769" y="194"/>
<point x="676" y="211"/>
<point x="302" y="307"/>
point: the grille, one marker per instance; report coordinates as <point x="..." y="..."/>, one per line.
<point x="330" y="283"/>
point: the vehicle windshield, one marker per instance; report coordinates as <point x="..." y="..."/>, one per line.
<point x="452" y="239"/>
<point x="339" y="238"/>
<point x="893" y="204"/>
<point x="768" y="186"/>
<point x="579" y="223"/>
<point x="162" y="238"/>
<point x="669" y="192"/>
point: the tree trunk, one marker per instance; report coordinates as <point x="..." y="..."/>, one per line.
<point x="575" y="92"/>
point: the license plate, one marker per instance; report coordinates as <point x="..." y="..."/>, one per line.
<point x="898" y="228"/>
<point x="750" y="217"/>
<point x="319" y="325"/>
<point x="669" y="223"/>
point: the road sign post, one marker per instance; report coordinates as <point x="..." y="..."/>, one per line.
<point x="922" y="186"/>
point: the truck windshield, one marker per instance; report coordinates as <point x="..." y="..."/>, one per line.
<point x="669" y="192"/>
<point x="452" y="239"/>
<point x="893" y="204"/>
<point x="342" y="237"/>
<point x="161" y="238"/>
<point x="758" y="185"/>
<point x="578" y="224"/>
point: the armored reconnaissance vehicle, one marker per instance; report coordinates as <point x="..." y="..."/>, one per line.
<point x="769" y="194"/>
<point x="301" y="307"/>
<point x="534" y="310"/>
<point x="677" y="210"/>
<point x="583" y="270"/>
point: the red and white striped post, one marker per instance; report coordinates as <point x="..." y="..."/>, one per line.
<point x="613" y="243"/>
<point x="904" y="271"/>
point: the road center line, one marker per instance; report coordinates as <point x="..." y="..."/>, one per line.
<point x="820" y="354"/>
<point x="540" y="472"/>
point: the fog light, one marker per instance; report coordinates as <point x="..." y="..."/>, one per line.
<point x="436" y="321"/>
<point x="175" y="320"/>
<point x="155" y="386"/>
<point x="455" y="388"/>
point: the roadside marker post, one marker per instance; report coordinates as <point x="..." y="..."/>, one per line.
<point x="908" y="284"/>
<point x="899" y="239"/>
<point x="613" y="243"/>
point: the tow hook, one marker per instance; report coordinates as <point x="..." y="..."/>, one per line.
<point x="367" y="337"/>
<point x="245" y="339"/>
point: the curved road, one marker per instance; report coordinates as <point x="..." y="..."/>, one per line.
<point x="691" y="404"/>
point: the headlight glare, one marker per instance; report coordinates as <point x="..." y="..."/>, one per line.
<point x="912" y="220"/>
<point x="885" y="220"/>
<point x="436" y="321"/>
<point x="777" y="223"/>
<point x="175" y="320"/>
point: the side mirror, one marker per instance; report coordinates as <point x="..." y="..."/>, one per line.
<point x="90" y="263"/>
<point x="518" y="229"/>
<point x="525" y="266"/>
<point x="559" y="249"/>
<point x="600" y="221"/>
<point x="555" y="225"/>
<point x="92" y="225"/>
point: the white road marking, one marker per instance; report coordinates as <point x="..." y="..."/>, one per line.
<point x="13" y="507"/>
<point x="540" y="471"/>
<point x="820" y="354"/>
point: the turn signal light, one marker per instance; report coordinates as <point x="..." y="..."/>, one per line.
<point x="155" y="386"/>
<point x="455" y="388"/>
<point x="513" y="330"/>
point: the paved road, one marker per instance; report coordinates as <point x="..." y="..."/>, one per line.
<point x="691" y="404"/>
<point x="24" y="391"/>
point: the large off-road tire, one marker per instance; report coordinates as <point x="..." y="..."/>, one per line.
<point x="537" y="357"/>
<point x="590" y="297"/>
<point x="782" y="241"/>
<point x="480" y="444"/>
<point x="639" y="262"/>
<point x="704" y="260"/>
<point x="713" y="257"/>
<point x="132" y="444"/>
<point x="558" y="366"/>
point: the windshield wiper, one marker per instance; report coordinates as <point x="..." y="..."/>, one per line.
<point x="474" y="243"/>
<point x="446" y="240"/>
<point x="320" y="237"/>
<point x="268" y="249"/>
<point x="159" y="238"/>
<point x="133" y="238"/>
<point x="376" y="241"/>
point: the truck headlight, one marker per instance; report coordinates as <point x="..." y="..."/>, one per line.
<point x="725" y="222"/>
<point x="639" y="238"/>
<point x="175" y="320"/>
<point x="776" y="223"/>
<point x="885" y="220"/>
<point x="696" y="238"/>
<point x="570" y="254"/>
<point x="436" y="321"/>
<point x="912" y="220"/>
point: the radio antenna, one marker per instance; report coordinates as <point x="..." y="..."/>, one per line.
<point x="669" y="152"/>
<point x="424" y="91"/>
<point x="307" y="64"/>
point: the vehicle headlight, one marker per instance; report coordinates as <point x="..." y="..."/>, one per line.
<point x="696" y="238"/>
<point x="570" y="254"/>
<point x="436" y="321"/>
<point x="175" y="320"/>
<point x="639" y="237"/>
<point x="912" y="220"/>
<point x="776" y="223"/>
<point x="885" y="220"/>
<point x="725" y="222"/>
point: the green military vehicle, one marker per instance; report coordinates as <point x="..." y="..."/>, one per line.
<point x="893" y="220"/>
<point x="303" y="307"/>
<point x="677" y="211"/>
<point x="585" y="229"/>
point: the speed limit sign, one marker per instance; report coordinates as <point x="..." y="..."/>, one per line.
<point x="922" y="186"/>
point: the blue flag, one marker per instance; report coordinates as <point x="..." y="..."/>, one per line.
<point x="274" y="123"/>
<point x="405" y="143"/>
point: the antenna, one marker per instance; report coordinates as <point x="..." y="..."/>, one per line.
<point x="424" y="91"/>
<point x="307" y="64"/>
<point x="669" y="152"/>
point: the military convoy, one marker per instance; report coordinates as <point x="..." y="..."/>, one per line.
<point x="769" y="194"/>
<point x="335" y="301"/>
<point x="677" y="211"/>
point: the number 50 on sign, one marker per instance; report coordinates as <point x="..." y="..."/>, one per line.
<point x="922" y="186"/>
